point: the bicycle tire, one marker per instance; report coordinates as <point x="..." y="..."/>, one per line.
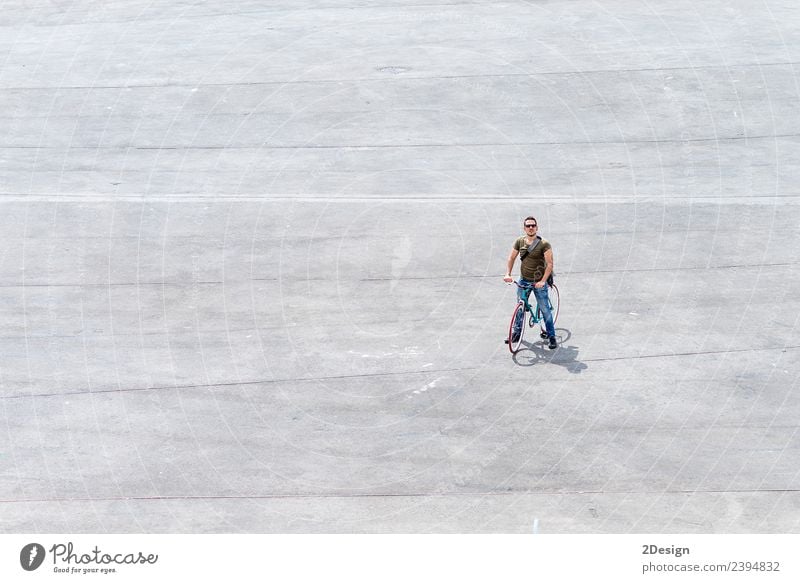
<point x="515" y="346"/>
<point x="554" y="298"/>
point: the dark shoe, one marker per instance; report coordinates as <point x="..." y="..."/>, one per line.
<point x="543" y="335"/>
<point x="514" y="339"/>
<point x="553" y="344"/>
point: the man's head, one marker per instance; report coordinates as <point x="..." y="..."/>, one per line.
<point x="530" y="225"/>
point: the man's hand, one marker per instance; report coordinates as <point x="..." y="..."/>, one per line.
<point x="507" y="278"/>
<point x="539" y="284"/>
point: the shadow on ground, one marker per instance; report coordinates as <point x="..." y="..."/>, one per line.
<point x="536" y="352"/>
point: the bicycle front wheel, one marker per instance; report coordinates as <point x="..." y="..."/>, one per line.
<point x="555" y="305"/>
<point x="515" y="340"/>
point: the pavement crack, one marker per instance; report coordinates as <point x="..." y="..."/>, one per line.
<point x="369" y="496"/>
<point x="236" y="384"/>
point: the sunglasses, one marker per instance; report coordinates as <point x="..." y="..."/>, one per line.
<point x="529" y="226"/>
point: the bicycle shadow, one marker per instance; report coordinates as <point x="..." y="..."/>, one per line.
<point x="533" y="352"/>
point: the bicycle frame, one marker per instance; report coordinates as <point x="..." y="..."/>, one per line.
<point x="529" y="315"/>
<point x="525" y="295"/>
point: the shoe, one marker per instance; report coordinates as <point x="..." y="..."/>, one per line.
<point x="553" y="344"/>
<point x="543" y="335"/>
<point x="514" y="339"/>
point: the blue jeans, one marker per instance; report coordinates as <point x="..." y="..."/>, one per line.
<point x="541" y="301"/>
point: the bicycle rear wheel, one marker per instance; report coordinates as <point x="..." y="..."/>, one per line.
<point x="519" y="312"/>
<point x="555" y="304"/>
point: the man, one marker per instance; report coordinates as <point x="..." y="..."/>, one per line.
<point x="536" y="267"/>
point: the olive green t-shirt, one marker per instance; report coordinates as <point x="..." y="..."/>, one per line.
<point x="532" y="265"/>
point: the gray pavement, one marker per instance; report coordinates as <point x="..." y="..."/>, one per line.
<point x="251" y="259"/>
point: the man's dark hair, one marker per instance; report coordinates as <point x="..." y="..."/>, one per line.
<point x="530" y="219"/>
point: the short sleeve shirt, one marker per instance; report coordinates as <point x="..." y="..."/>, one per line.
<point x="532" y="265"/>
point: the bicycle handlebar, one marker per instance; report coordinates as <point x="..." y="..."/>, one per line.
<point x="522" y="286"/>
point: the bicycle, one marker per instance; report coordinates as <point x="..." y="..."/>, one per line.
<point x="553" y="298"/>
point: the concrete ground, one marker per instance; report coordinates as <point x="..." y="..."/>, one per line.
<point x="251" y="259"/>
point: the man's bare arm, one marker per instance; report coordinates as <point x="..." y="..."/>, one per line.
<point x="512" y="257"/>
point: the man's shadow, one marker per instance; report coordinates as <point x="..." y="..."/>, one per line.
<point x="535" y="350"/>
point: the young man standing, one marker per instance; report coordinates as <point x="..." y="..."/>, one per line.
<point x="536" y="267"/>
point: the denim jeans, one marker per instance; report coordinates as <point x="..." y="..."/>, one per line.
<point x="541" y="301"/>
